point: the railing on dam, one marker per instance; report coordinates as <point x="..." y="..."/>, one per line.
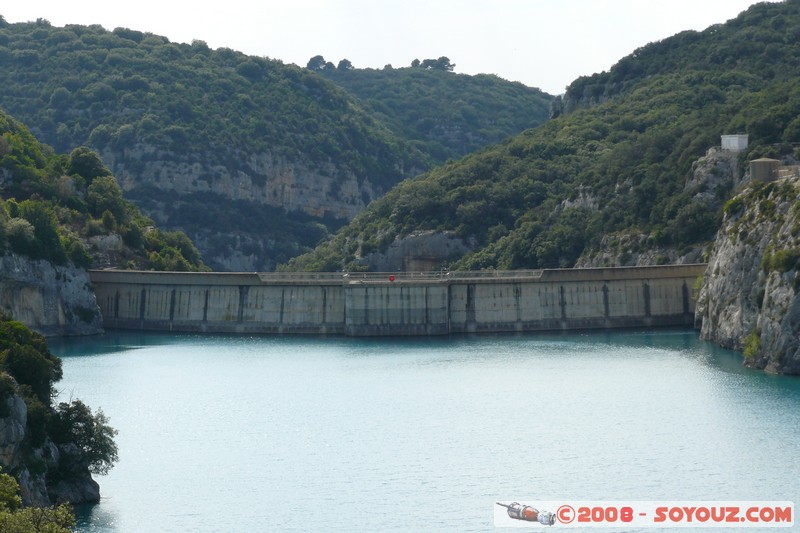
<point x="399" y="303"/>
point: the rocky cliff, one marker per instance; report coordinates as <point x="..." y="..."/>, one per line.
<point x="711" y="179"/>
<point x="52" y="300"/>
<point x="258" y="177"/>
<point x="49" y="474"/>
<point x="749" y="299"/>
<point x="419" y="251"/>
<point x="274" y="206"/>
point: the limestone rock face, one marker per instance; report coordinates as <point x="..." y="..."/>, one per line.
<point x="77" y="485"/>
<point x="636" y="249"/>
<point x="714" y="174"/>
<point x="569" y="103"/>
<point x="750" y="292"/>
<point x="420" y="251"/>
<point x="262" y="178"/>
<point x="80" y="487"/>
<point x="52" y="300"/>
<point x="711" y="179"/>
<point x="172" y="188"/>
<point x="12" y="431"/>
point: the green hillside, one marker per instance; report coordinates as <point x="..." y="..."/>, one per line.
<point x="177" y="118"/>
<point x="444" y="115"/>
<point x="63" y="208"/>
<point x="614" y="162"/>
<point x="256" y="160"/>
<point x="113" y="88"/>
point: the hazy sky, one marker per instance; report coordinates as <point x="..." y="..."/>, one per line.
<point x="542" y="43"/>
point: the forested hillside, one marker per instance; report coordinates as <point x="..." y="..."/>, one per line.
<point x="69" y="208"/>
<point x="190" y="130"/>
<point x="256" y="160"/>
<point x="444" y="115"/>
<point x="615" y="165"/>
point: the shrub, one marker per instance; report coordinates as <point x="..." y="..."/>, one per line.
<point x="785" y="260"/>
<point x="109" y="221"/>
<point x="86" y="314"/>
<point x="18" y="519"/>
<point x="752" y="345"/>
<point x="77" y="253"/>
<point x="104" y="194"/>
<point x="20" y="237"/>
<point x="133" y="236"/>
<point x="733" y="206"/>
<point x="38" y="415"/>
<point x="7" y="388"/>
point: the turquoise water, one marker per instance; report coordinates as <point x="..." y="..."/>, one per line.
<point x="248" y="434"/>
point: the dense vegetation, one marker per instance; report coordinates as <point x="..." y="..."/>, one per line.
<point x="85" y="85"/>
<point x="60" y="207"/>
<point x="139" y="100"/>
<point x="615" y="161"/>
<point x="151" y="107"/>
<point x="17" y="519"/>
<point x="29" y="370"/>
<point x="444" y="115"/>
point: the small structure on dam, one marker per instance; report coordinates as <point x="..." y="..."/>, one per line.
<point x="406" y="303"/>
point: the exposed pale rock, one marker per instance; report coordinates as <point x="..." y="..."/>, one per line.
<point x="419" y="251"/>
<point x="636" y="249"/>
<point x="77" y="485"/>
<point x="107" y="243"/>
<point x="713" y="175"/>
<point x="12" y="431"/>
<point x="265" y="179"/>
<point x="751" y="285"/>
<point x="52" y="300"/>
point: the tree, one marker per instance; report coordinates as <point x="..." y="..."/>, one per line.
<point x="109" y="221"/>
<point x="74" y="422"/>
<point x="344" y="64"/>
<point x="25" y="356"/>
<point x="179" y="241"/>
<point x="30" y="367"/>
<point x="443" y="63"/>
<point x="316" y="63"/>
<point x="415" y="63"/>
<point x="105" y="194"/>
<point x="45" y="231"/>
<point x="9" y="493"/>
<point x="85" y="162"/>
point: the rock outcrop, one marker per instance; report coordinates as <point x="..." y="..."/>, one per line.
<point x="714" y="175"/>
<point x="72" y="484"/>
<point x="52" y="300"/>
<point x="173" y="188"/>
<point x="261" y="178"/>
<point x="637" y="249"/>
<point x="711" y="179"/>
<point x="420" y="251"/>
<point x="749" y="299"/>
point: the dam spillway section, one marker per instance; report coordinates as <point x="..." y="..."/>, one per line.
<point x="401" y="303"/>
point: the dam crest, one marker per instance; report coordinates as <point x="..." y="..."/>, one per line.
<point x="402" y="303"/>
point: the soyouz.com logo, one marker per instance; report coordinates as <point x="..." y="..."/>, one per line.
<point x="662" y="514"/>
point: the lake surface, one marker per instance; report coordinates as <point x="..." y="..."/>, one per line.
<point x="242" y="434"/>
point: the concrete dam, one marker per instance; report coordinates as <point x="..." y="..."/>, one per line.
<point x="403" y="303"/>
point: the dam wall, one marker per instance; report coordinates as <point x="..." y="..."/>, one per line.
<point x="407" y="303"/>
